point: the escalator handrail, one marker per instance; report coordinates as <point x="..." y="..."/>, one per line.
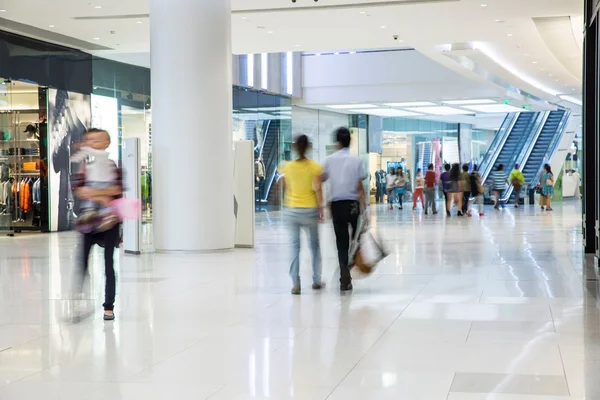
<point x="527" y="149"/>
<point x="266" y="130"/>
<point x="497" y="144"/>
<point x="560" y="131"/>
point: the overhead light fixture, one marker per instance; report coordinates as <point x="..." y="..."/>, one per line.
<point x="467" y="102"/>
<point x="386" y="112"/>
<point x="97" y="7"/>
<point x="318" y="54"/>
<point x="526" y="55"/>
<point x="363" y="12"/>
<point x="96" y="38"/>
<point x="350" y="106"/>
<point x="2" y="10"/>
<point x="50" y="26"/>
<point x="383" y="26"/>
<point x="439" y="110"/>
<point x="270" y="32"/>
<point x="297" y="45"/>
<point x="498" y="21"/>
<point x="336" y="53"/>
<point x="411" y="104"/>
<point x="509" y="34"/>
<point x="484" y="5"/>
<point x="535" y="62"/>
<point x="494" y="108"/>
<point x="139" y="22"/>
<point x="352" y="52"/>
<point x="244" y="18"/>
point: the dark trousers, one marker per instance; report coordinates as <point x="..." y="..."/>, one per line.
<point x="110" y="240"/>
<point x="466" y="198"/>
<point x="344" y="213"/>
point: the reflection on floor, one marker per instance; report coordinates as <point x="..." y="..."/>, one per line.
<point x="462" y="308"/>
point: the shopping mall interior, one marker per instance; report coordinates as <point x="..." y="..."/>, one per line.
<point x="171" y="273"/>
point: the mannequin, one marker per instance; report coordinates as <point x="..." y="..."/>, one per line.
<point x="259" y="175"/>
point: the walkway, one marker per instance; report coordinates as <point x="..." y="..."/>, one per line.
<point x="462" y="308"/>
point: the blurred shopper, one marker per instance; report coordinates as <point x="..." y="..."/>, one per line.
<point x="465" y="178"/>
<point x="303" y="209"/>
<point x="430" y="181"/>
<point x="477" y="189"/>
<point x="499" y="184"/>
<point x="401" y="188"/>
<point x="391" y="180"/>
<point x="456" y="192"/>
<point x="445" y="179"/>
<point x="548" y="187"/>
<point x="419" y="190"/>
<point x="518" y="180"/>
<point x="345" y="174"/>
<point x="98" y="233"/>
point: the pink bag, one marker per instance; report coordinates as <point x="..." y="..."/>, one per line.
<point x="126" y="208"/>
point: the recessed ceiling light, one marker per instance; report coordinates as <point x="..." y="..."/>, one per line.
<point x="139" y="22"/>
<point x="297" y="45"/>
<point x="549" y="74"/>
<point x="535" y="62"/>
<point x="498" y="21"/>
<point x="244" y="18"/>
<point x="526" y="55"/>
<point x="97" y="7"/>
<point x="558" y="80"/>
<point x="96" y="38"/>
<point x="484" y="5"/>
<point x="467" y="102"/>
<point x="352" y="52"/>
<point x="351" y="106"/>
<point x="439" y="110"/>
<point x="542" y="69"/>
<point x="363" y="12"/>
<point x="336" y="53"/>
<point x="383" y="26"/>
<point x="2" y="10"/>
<point x="509" y="34"/>
<point x="572" y="90"/>
<point x="318" y="54"/>
<point x="412" y="104"/>
<point x="50" y="26"/>
<point x="270" y="32"/>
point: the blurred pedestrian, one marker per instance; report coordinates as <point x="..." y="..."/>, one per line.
<point x="303" y="209"/>
<point x="518" y="180"/>
<point x="430" y="181"/>
<point x="499" y="184"/>
<point x="345" y="174"/>
<point x="466" y="188"/>
<point x="445" y="179"/>
<point x="548" y="186"/>
<point x="477" y="189"/>
<point x="401" y="188"/>
<point x="456" y="193"/>
<point x="391" y="180"/>
<point x="419" y="190"/>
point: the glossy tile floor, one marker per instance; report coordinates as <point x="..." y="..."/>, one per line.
<point x="463" y="309"/>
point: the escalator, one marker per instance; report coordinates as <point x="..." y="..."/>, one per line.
<point x="270" y="156"/>
<point x="542" y="146"/>
<point x="517" y="136"/>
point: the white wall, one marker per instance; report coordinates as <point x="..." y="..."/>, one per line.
<point x="318" y="125"/>
<point x="384" y="76"/>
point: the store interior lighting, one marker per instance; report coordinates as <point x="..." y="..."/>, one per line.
<point x="494" y="108"/>
<point x="469" y="102"/>
<point x="411" y="104"/>
<point x="351" y="106"/>
<point x="387" y="112"/>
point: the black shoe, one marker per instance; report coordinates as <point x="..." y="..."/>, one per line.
<point x="435" y="212"/>
<point x="459" y="214"/>
<point x="346" y="287"/>
<point x="448" y="213"/>
<point x="426" y="213"/>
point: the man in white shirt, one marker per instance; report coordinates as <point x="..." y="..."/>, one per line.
<point x="345" y="174"/>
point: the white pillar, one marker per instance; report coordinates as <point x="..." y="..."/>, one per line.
<point x="191" y="118"/>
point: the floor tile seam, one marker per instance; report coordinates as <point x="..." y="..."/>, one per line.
<point x="562" y="361"/>
<point x="469" y="333"/>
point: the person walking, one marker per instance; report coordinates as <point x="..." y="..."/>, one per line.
<point x="430" y="181"/>
<point x="303" y="209"/>
<point x="477" y="189"/>
<point x="345" y="174"/>
<point x="548" y="187"/>
<point x="499" y="184"/>
<point x="390" y="182"/>
<point x="419" y="190"/>
<point x="456" y="192"/>
<point x="466" y="188"/>
<point x="401" y="188"/>
<point x="96" y="232"/>
<point x="445" y="179"/>
<point x="518" y="180"/>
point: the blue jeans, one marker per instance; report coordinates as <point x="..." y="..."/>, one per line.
<point x="297" y="218"/>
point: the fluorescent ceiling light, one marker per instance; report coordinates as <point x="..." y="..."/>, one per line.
<point x="494" y="108"/>
<point x="411" y="104"/>
<point x="472" y="101"/>
<point x="351" y="106"/>
<point x="386" y="112"/>
<point x="266" y="109"/>
<point x="439" y="110"/>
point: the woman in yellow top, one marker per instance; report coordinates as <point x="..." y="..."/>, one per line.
<point x="303" y="209"/>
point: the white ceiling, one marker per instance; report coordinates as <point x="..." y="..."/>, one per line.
<point x="504" y="28"/>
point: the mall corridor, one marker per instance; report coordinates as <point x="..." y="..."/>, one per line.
<point x="460" y="309"/>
